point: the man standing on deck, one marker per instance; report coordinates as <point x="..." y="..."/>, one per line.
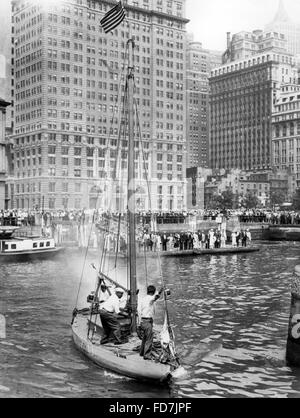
<point x="109" y="312"/>
<point x="146" y="313"/>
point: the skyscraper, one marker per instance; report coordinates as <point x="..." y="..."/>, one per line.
<point x="244" y="45"/>
<point x="200" y="62"/>
<point x="67" y="78"/>
<point x="5" y="56"/>
<point x="286" y="131"/>
<point x="283" y="24"/>
<point x="243" y="94"/>
<point x="3" y="160"/>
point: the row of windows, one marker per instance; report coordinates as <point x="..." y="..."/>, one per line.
<point x="35" y="245"/>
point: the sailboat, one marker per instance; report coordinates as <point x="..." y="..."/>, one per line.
<point x="87" y="329"/>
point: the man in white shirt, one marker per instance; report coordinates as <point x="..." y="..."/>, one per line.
<point x="109" y="312"/>
<point x="146" y="313"/>
<point x="104" y="294"/>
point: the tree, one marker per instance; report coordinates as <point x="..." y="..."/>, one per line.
<point x="226" y="200"/>
<point x="250" y="200"/>
<point x="277" y="197"/>
<point x="296" y="200"/>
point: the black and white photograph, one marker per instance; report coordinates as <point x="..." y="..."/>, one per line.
<point x="149" y="201"/>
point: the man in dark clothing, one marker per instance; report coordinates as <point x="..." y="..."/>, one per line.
<point x="164" y="241"/>
<point x="181" y="243"/>
<point x="238" y="237"/>
<point x="244" y="239"/>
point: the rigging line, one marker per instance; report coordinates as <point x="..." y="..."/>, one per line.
<point x="118" y="238"/>
<point x="122" y="119"/>
<point x="108" y="143"/>
<point x="142" y="151"/>
<point x="159" y="257"/>
<point x="115" y="176"/>
<point x="104" y="253"/>
<point x="86" y="253"/>
<point x="97" y="290"/>
<point x="107" y="148"/>
<point x="87" y="248"/>
<point x="117" y="99"/>
<point x="146" y="175"/>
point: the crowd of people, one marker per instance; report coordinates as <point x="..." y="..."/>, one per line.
<point x="74" y="225"/>
<point x="22" y="217"/>
<point x="200" y="240"/>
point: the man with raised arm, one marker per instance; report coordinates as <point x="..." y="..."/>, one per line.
<point x="146" y="312"/>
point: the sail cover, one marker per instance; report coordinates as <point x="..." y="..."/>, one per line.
<point x="167" y="340"/>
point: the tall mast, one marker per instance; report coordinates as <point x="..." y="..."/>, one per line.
<point x="131" y="188"/>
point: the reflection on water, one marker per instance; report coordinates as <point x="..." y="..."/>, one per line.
<point x="230" y="315"/>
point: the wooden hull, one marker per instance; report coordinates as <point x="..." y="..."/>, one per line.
<point x="118" y="359"/>
<point x="197" y="253"/>
<point x="19" y="256"/>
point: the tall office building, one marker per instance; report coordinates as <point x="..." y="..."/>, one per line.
<point x="283" y="24"/>
<point x="5" y="57"/>
<point x="244" y="45"/>
<point x="3" y="148"/>
<point x="200" y="62"/>
<point x="67" y="76"/>
<point x="243" y="94"/>
<point x="286" y="131"/>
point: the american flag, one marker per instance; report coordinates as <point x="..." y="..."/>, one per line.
<point x="113" y="18"/>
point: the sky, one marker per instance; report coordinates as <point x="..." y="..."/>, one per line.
<point x="211" y="19"/>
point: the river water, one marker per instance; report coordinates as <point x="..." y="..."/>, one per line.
<point x="230" y="315"/>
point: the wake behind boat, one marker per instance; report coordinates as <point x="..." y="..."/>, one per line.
<point x="16" y="248"/>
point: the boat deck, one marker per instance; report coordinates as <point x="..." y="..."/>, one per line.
<point x="122" y="359"/>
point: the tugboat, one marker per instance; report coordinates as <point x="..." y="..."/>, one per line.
<point x="14" y="248"/>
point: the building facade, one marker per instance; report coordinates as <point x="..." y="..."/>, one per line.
<point x="3" y="157"/>
<point x="286" y="132"/>
<point x="196" y="178"/>
<point x="199" y="64"/>
<point x="244" y="45"/>
<point x="242" y="99"/>
<point x="5" y="57"/>
<point x="263" y="185"/>
<point x="68" y="75"/>
<point x="283" y="24"/>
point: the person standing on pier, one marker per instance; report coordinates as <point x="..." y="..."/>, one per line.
<point x="223" y="239"/>
<point x="233" y="239"/>
<point x="249" y="237"/>
<point x="238" y="237"/>
<point x="164" y="242"/>
<point x="244" y="239"/>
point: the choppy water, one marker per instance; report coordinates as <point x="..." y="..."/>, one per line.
<point x="231" y="315"/>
